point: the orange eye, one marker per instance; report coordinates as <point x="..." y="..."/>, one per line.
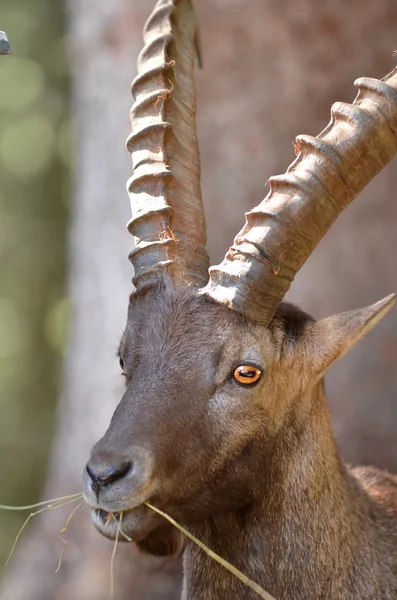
<point x="247" y="374"/>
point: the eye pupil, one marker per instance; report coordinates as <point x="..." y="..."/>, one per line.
<point x="121" y="363"/>
<point x="247" y="374"/>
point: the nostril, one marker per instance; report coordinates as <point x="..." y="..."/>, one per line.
<point x="102" y="476"/>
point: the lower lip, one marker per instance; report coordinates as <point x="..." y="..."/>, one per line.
<point x="108" y="523"/>
<point x="106" y="517"/>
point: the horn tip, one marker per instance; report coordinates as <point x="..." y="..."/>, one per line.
<point x="5" y="47"/>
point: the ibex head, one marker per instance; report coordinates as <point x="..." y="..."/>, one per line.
<point x="218" y="370"/>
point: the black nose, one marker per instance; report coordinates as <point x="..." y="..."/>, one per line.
<point x="102" y="476"/>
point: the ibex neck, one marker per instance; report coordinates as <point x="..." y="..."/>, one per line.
<point x="300" y="528"/>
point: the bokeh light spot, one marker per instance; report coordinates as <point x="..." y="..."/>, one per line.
<point x="56" y="324"/>
<point x="11" y="333"/>
<point x="26" y="145"/>
<point x="65" y="142"/>
<point x="22" y="82"/>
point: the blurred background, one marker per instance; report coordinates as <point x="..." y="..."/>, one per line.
<point x="272" y="69"/>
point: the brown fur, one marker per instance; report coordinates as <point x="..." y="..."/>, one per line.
<point x="253" y="472"/>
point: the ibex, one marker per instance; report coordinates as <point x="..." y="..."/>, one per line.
<point x="223" y="423"/>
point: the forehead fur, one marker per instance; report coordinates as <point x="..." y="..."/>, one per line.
<point x="291" y="320"/>
<point x="176" y="313"/>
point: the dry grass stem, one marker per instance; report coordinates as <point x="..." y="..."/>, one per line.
<point x="52" y="505"/>
<point x="62" y="553"/>
<point x="65" y="527"/>
<point x="111" y="588"/>
<point x="44" y="503"/>
<point x="248" y="582"/>
<point x="64" y="530"/>
<point x="125" y="536"/>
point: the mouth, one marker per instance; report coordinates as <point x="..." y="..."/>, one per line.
<point x="109" y="523"/>
<point x="151" y="533"/>
<point x="131" y="525"/>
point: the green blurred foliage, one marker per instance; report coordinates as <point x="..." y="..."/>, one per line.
<point x="35" y="157"/>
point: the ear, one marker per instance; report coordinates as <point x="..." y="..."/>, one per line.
<point x="327" y="340"/>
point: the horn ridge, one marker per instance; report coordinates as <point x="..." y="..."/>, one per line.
<point x="167" y="213"/>
<point x="329" y="171"/>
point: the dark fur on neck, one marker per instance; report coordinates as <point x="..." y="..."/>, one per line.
<point x="310" y="528"/>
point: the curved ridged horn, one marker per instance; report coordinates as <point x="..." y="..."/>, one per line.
<point x="330" y="170"/>
<point x="5" y="47"/>
<point x="168" y="218"/>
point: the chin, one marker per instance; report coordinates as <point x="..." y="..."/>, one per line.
<point x="150" y="532"/>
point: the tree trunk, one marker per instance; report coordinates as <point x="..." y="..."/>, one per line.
<point x="271" y="71"/>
